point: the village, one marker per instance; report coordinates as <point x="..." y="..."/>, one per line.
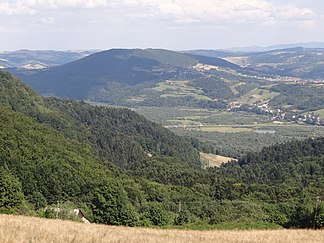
<point x="278" y="115"/>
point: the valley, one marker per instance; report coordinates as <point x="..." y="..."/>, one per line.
<point x="230" y="133"/>
<point x="162" y="121"/>
<point x="148" y="78"/>
<point x="156" y="138"/>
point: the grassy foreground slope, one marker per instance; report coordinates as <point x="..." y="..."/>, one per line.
<point x="27" y="229"/>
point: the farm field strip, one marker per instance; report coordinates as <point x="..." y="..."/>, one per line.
<point x="212" y="160"/>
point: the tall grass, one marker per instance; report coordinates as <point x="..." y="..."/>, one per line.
<point x="28" y="229"/>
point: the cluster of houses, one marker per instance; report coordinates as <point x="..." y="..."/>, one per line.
<point x="277" y="115"/>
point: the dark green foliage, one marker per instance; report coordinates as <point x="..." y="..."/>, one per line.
<point x="111" y="206"/>
<point x="128" y="67"/>
<point x="124" y="137"/>
<point x="66" y="151"/>
<point x="182" y="218"/>
<point x="214" y="88"/>
<point x="11" y="196"/>
<point x="158" y="215"/>
<point x="319" y="217"/>
<point x="48" y="164"/>
<point x="116" y="76"/>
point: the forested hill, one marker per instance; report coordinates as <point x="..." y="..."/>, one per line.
<point x="72" y="152"/>
<point x="113" y="69"/>
<point x="124" y="137"/>
<point x="299" y="163"/>
<point x="121" y="169"/>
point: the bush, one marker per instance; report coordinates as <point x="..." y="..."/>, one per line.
<point x="110" y="205"/>
<point x="11" y="196"/>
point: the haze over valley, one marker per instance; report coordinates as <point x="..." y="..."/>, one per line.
<point x="163" y="116"/>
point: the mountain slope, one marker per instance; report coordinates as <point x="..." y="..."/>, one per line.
<point x="61" y="152"/>
<point x="296" y="62"/>
<point x="105" y="74"/>
<point x="38" y="59"/>
<point x="65" y="150"/>
<point x="105" y="129"/>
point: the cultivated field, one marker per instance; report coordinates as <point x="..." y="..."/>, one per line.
<point x="212" y="160"/>
<point x="27" y="229"/>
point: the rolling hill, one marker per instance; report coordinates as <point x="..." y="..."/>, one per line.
<point x="52" y="150"/>
<point x="121" y="169"/>
<point x="299" y="62"/>
<point x="162" y="78"/>
<point x="39" y="59"/>
<point x="114" y="76"/>
<point x="284" y="60"/>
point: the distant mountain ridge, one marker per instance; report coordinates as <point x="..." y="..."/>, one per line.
<point x="276" y="47"/>
<point x="163" y="78"/>
<point x="99" y="73"/>
<point x="38" y="59"/>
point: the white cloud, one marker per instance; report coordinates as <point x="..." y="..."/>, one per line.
<point x="47" y="21"/>
<point x="252" y="11"/>
<point x="308" y="24"/>
<point x="256" y="11"/>
<point x="291" y="12"/>
<point x="57" y="4"/>
<point x="17" y="8"/>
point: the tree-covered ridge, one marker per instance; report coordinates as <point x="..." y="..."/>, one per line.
<point x="124" y="137"/>
<point x="297" y="62"/>
<point x="297" y="162"/>
<point x="63" y="152"/>
<point x="94" y="76"/>
<point x="48" y="165"/>
<point x="18" y="96"/>
<point x="106" y="130"/>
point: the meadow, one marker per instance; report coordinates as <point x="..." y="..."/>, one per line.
<point x="232" y="134"/>
<point x="29" y="229"/>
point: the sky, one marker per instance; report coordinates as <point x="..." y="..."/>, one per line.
<point x="168" y="24"/>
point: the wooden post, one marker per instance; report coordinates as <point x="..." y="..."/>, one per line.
<point x="179" y="206"/>
<point x="57" y="209"/>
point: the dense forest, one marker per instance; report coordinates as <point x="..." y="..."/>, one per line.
<point x="122" y="169"/>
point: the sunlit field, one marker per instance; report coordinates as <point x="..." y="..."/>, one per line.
<point x="28" y="229"/>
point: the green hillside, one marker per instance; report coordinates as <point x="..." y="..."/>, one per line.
<point x="296" y="62"/>
<point x="117" y="75"/>
<point x="121" y="169"/>
<point x="163" y="78"/>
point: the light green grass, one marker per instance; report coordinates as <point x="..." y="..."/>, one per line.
<point x="320" y="113"/>
<point x="234" y="86"/>
<point x="136" y="99"/>
<point x="257" y="95"/>
<point x="179" y="88"/>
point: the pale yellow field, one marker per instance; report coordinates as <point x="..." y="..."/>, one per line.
<point x="229" y="129"/>
<point x="27" y="229"/>
<point x="212" y="160"/>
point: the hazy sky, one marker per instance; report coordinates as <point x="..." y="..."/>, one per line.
<point x="170" y="24"/>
